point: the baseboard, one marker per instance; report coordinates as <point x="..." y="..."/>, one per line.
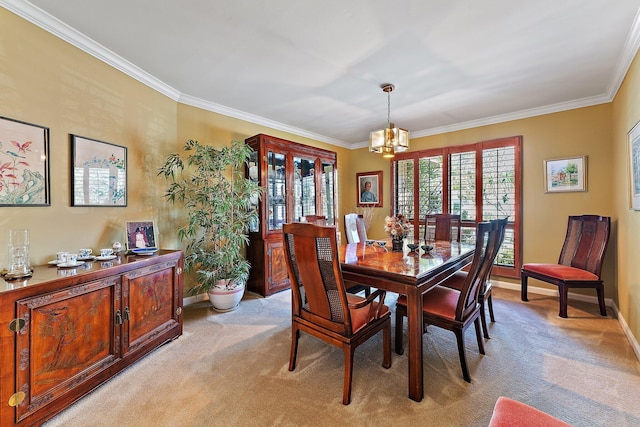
<point x="627" y="331"/>
<point x="578" y="297"/>
<point x="194" y="299"/>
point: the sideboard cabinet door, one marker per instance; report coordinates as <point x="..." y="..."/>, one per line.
<point x="69" y="336"/>
<point x="149" y="305"/>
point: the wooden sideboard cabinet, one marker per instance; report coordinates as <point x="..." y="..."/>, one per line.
<point x="298" y="181"/>
<point x="63" y="332"/>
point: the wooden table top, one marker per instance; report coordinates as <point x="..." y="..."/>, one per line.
<point x="405" y="266"/>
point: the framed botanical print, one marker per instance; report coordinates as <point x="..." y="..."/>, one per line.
<point x="24" y="164"/>
<point x="99" y="173"/>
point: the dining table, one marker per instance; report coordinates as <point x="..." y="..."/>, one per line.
<point x="408" y="272"/>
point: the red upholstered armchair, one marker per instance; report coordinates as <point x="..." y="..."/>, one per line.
<point x="580" y="260"/>
<point x="511" y="413"/>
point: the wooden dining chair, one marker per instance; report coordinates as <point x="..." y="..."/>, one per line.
<point x="321" y="306"/>
<point x="354" y="228"/>
<point x="442" y="227"/>
<point x="316" y="219"/>
<point x="580" y="262"/>
<point x="484" y="294"/>
<point x="452" y="309"/>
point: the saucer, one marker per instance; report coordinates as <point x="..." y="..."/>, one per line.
<point x="144" y="251"/>
<point x="67" y="265"/>
<point x="105" y="258"/>
<point x="53" y="262"/>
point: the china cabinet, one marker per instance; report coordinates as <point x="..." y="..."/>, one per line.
<point x="66" y="331"/>
<point x="298" y="181"/>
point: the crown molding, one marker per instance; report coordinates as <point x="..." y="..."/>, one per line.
<point x="61" y="30"/>
<point x="259" y="120"/>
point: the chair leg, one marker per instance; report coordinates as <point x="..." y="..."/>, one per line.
<point x="603" y="307"/>
<point x="386" y="346"/>
<point x="295" y="335"/>
<point x="523" y="288"/>
<point x="463" y="358"/>
<point x="490" y="305"/>
<point x="348" y="373"/>
<point x="367" y="291"/>
<point x="399" y="319"/>
<point x="564" y="298"/>
<point x="483" y="317"/>
<point x="479" y="336"/>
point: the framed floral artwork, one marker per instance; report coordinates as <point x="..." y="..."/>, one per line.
<point x="565" y="174"/>
<point x="369" y="188"/>
<point x="24" y="164"/>
<point x="99" y="173"/>
<point x="634" y="167"/>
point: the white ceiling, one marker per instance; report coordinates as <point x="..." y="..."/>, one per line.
<point x="315" y="68"/>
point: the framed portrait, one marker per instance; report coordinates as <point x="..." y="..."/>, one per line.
<point x="634" y="167"/>
<point x="140" y="235"/>
<point x="565" y="174"/>
<point x="369" y="188"/>
<point x="24" y="164"/>
<point x="98" y="173"/>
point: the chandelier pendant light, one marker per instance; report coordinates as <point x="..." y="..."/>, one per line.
<point x="391" y="139"/>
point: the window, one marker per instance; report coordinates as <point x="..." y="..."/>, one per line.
<point x="479" y="182"/>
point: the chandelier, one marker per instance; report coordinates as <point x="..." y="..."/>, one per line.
<point x="391" y="139"/>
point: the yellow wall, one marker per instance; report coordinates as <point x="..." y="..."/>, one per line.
<point x="51" y="83"/>
<point x="48" y="82"/>
<point x="626" y="113"/>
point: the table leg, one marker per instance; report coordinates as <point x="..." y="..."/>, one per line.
<point x="414" y="338"/>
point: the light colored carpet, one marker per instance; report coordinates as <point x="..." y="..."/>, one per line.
<point x="231" y="370"/>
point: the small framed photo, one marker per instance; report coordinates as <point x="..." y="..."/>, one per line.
<point x="369" y="188"/>
<point x="634" y="167"/>
<point x="99" y="173"/>
<point x="24" y="164"/>
<point x="565" y="174"/>
<point x="140" y="235"/>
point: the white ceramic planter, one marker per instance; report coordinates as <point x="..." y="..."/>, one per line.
<point x="224" y="299"/>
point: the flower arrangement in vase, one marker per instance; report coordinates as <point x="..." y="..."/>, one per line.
<point x="397" y="227"/>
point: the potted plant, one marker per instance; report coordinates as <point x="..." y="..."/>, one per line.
<point x="210" y="183"/>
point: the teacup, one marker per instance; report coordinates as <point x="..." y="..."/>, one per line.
<point x="62" y="257"/>
<point x="105" y="252"/>
<point x="369" y="242"/>
<point x="381" y="243"/>
<point x="84" y="253"/>
<point x="72" y="259"/>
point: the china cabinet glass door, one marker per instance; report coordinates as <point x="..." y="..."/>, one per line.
<point x="304" y="188"/>
<point x="276" y="190"/>
<point x="328" y="196"/>
<point x="254" y="176"/>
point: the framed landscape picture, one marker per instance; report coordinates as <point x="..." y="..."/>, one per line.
<point x="369" y="188"/>
<point x="24" y="164"/>
<point x="634" y="167"/>
<point x="98" y="174"/>
<point x="565" y="174"/>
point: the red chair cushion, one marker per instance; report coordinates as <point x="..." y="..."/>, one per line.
<point x="359" y="315"/>
<point x="440" y="301"/>
<point x="511" y="413"/>
<point x="559" y="271"/>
